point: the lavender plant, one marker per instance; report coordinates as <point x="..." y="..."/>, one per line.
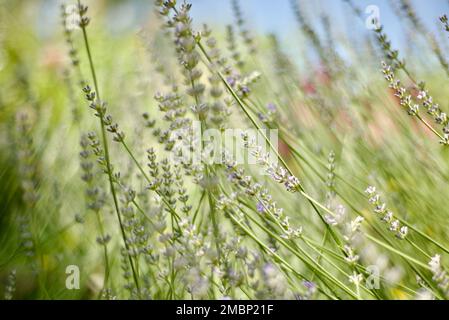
<point x="151" y="190"/>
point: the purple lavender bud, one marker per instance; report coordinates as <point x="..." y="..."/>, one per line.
<point x="309" y="285"/>
<point x="260" y="207"/>
<point x="261" y="117"/>
<point x="271" y="107"/>
<point x="230" y="81"/>
<point x="245" y="90"/>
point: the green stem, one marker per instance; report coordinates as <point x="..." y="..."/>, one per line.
<point x="105" y="249"/>
<point x="107" y="157"/>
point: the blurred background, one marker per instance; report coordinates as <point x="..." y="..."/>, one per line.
<point x="263" y="17"/>
<point x="349" y="108"/>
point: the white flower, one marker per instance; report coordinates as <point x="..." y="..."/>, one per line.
<point x="352" y="259"/>
<point x="297" y="232"/>
<point x="421" y="95"/>
<point x="388" y="217"/>
<point x="337" y="217"/>
<point x="374" y="199"/>
<point x="285" y="222"/>
<point x="413" y="109"/>
<point x="394" y="226"/>
<point x="331" y="220"/>
<point x="380" y="208"/>
<point x="435" y="263"/>
<point x="355" y="224"/>
<point x="356" y="278"/>
<point x="403" y="232"/>
<point x="351" y="256"/>
<point x="370" y="190"/>
<point x="292" y="183"/>
<point x="278" y="212"/>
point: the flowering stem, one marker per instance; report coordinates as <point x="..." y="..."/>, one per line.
<point x="266" y="248"/>
<point x="305" y="257"/>
<point x="352" y="187"/>
<point x="251" y="118"/>
<point x="106" y="152"/>
<point x="430" y="127"/>
<point x="172" y="211"/>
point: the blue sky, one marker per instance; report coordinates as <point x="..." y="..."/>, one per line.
<point x="264" y="16"/>
<point x="276" y="15"/>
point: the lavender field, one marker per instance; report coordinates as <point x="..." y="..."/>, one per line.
<point x="224" y="149"/>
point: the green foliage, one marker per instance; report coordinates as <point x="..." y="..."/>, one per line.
<point x="358" y="182"/>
